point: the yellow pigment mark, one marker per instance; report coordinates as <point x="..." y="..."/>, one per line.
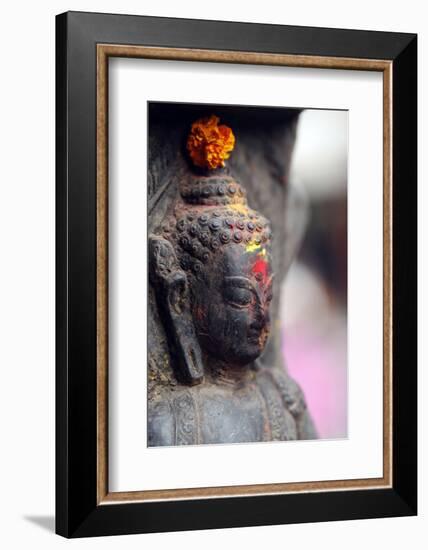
<point x="252" y="247"/>
<point x="242" y="208"/>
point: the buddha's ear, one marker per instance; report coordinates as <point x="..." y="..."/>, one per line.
<point x="172" y="293"/>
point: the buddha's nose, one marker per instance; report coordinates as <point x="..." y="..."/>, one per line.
<point x="261" y="316"/>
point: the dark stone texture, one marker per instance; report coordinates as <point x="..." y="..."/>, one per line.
<point x="216" y="240"/>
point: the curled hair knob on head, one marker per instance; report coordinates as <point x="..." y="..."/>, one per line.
<point x="211" y="209"/>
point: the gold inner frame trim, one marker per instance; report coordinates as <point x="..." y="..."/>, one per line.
<point x="104" y="51"/>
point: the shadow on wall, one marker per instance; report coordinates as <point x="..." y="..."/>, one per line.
<point x="45" y="522"/>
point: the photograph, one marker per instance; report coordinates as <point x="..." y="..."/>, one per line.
<point x="235" y="239"/>
<point x="212" y="265"/>
<point x="247" y="252"/>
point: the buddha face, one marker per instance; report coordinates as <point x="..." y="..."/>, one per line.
<point x="231" y="303"/>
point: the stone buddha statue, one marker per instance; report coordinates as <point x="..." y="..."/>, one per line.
<point x="212" y="275"/>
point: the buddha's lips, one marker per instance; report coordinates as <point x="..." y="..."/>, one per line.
<point x="259" y="336"/>
<point x="263" y="337"/>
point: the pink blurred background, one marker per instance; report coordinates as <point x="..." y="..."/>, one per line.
<point x="314" y="297"/>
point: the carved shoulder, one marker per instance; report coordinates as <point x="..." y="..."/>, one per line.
<point x="295" y="402"/>
<point x="172" y="419"/>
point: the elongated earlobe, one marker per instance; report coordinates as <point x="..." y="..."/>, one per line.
<point x="173" y="297"/>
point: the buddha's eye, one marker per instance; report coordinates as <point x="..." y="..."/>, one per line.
<point x="269" y="297"/>
<point x="238" y="297"/>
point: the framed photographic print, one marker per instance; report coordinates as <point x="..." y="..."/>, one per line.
<point x="236" y="274"/>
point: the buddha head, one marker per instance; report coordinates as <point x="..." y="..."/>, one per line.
<point x="211" y="265"/>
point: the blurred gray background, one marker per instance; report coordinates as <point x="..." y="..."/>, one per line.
<point x="314" y="297"/>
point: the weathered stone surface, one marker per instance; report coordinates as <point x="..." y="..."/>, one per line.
<point x="215" y="369"/>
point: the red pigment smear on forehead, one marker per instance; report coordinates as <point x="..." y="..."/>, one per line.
<point x="260" y="266"/>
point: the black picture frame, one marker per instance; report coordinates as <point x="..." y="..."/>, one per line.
<point x="78" y="513"/>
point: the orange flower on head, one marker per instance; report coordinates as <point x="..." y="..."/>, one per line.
<point x="209" y="144"/>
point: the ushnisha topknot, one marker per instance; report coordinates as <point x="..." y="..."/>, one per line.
<point x="212" y="190"/>
<point x="211" y="211"/>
